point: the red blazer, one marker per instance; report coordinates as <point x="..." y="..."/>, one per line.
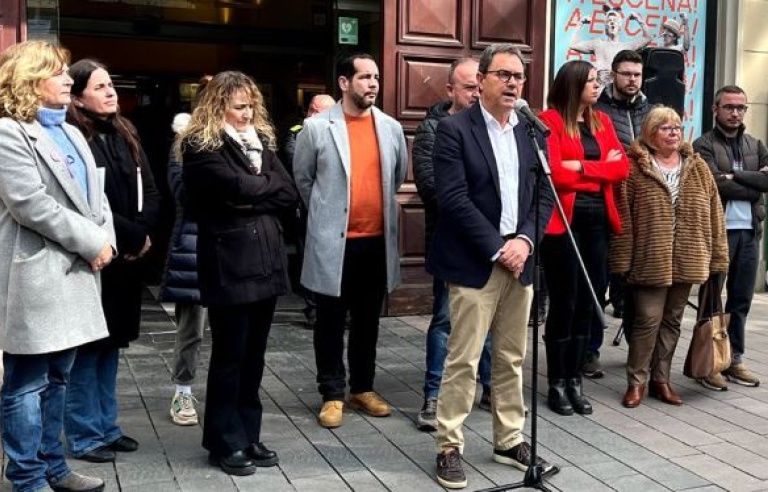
<point x="596" y="175"/>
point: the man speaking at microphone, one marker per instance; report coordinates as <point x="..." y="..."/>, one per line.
<point x="484" y="175"/>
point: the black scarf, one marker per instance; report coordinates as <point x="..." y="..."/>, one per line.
<point x="111" y="151"/>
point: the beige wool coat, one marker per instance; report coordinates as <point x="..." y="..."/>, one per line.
<point x="650" y="250"/>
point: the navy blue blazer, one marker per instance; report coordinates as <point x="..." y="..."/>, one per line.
<point x="468" y="196"/>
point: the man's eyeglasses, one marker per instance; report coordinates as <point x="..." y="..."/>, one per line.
<point x="505" y="76"/>
<point x="630" y="75"/>
<point x="730" y="108"/>
<point x="670" y="128"/>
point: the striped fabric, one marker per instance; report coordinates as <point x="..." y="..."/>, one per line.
<point x="650" y="249"/>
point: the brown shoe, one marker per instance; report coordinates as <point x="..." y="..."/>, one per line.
<point x="331" y="414"/>
<point x="665" y="393"/>
<point x="370" y="403"/>
<point x="634" y="395"/>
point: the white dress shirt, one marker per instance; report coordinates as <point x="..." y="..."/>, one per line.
<point x="508" y="165"/>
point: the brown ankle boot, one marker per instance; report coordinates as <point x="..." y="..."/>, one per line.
<point x="634" y="395"/>
<point x="665" y="393"/>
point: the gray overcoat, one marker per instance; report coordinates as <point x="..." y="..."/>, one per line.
<point x="321" y="168"/>
<point x="50" y="299"/>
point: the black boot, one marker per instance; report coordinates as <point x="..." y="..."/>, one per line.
<point x="556" y="358"/>
<point x="575" y="393"/>
<point x="557" y="399"/>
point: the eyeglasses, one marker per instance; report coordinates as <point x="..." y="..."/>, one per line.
<point x="630" y="75"/>
<point x="505" y="76"/>
<point x="670" y="129"/>
<point x="730" y="108"/>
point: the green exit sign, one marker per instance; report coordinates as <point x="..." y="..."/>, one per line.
<point x="349" y="29"/>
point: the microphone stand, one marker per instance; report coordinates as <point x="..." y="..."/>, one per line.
<point x="533" y="476"/>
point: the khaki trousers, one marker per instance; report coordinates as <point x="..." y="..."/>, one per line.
<point x="502" y="305"/>
<point x="655" y="331"/>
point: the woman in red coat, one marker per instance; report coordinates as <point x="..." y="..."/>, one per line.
<point x="587" y="160"/>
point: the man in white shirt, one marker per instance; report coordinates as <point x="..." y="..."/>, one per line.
<point x="483" y="162"/>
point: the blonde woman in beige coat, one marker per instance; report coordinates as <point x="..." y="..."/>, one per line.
<point x="673" y="237"/>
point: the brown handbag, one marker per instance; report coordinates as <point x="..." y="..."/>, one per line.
<point x="710" y="349"/>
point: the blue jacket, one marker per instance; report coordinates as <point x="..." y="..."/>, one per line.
<point x="468" y="195"/>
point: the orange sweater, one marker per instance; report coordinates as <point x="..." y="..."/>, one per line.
<point x="366" y="198"/>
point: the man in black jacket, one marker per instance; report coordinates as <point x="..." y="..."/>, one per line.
<point x="623" y="100"/>
<point x="463" y="91"/>
<point x="626" y="105"/>
<point x="298" y="228"/>
<point x="739" y="163"/>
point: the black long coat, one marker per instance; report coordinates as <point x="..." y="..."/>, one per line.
<point x="241" y="257"/>
<point x="122" y="280"/>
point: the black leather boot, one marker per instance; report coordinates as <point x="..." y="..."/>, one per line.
<point x="575" y="394"/>
<point x="557" y="399"/>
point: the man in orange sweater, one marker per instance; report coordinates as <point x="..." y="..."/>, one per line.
<point x="349" y="163"/>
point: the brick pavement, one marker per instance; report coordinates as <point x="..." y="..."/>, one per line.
<point x="715" y="441"/>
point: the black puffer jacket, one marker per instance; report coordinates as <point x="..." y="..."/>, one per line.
<point x="747" y="185"/>
<point x="627" y="117"/>
<point x="422" y="165"/>
<point x="180" y="278"/>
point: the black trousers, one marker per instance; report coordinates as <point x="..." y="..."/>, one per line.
<point x="232" y="404"/>
<point x="363" y="286"/>
<point x="571" y="309"/>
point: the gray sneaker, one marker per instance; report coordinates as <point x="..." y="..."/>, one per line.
<point x="74" y="482"/>
<point x="592" y="368"/>
<point x="520" y="457"/>
<point x="450" y="472"/>
<point x="427" y="418"/>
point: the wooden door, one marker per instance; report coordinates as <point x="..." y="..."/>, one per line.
<point x="421" y="39"/>
<point x="12" y="26"/>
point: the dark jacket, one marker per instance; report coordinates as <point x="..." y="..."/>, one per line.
<point x="180" y="279"/>
<point x="467" y="181"/>
<point x="627" y="116"/>
<point x="289" y="147"/>
<point x="423" y="171"/>
<point x="122" y="280"/>
<point x="241" y="256"/>
<point x="747" y="185"/>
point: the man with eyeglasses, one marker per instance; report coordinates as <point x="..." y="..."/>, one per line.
<point x="463" y="91"/>
<point x="483" y="162"/>
<point x="739" y="163"/>
<point x="626" y="105"/>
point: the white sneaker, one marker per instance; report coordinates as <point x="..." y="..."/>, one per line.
<point x="183" y="409"/>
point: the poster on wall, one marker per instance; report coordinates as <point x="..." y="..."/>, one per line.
<point x="595" y="30"/>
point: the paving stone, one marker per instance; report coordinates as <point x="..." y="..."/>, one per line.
<point x="715" y="441"/>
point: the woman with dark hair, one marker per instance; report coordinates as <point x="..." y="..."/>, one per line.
<point x="236" y="190"/>
<point x="587" y="160"/>
<point x="56" y="237"/>
<point x="91" y="413"/>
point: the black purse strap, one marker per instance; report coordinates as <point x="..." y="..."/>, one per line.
<point x="710" y="296"/>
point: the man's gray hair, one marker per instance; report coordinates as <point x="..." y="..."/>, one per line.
<point x="487" y="57"/>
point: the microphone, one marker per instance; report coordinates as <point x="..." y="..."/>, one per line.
<point x="521" y="106"/>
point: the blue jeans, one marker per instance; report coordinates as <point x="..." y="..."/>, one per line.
<point x="34" y="390"/>
<point x="437" y="344"/>
<point x="90" y="421"/>
<point x="742" y="270"/>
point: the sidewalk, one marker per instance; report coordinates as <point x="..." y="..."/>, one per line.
<point x="715" y="441"/>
